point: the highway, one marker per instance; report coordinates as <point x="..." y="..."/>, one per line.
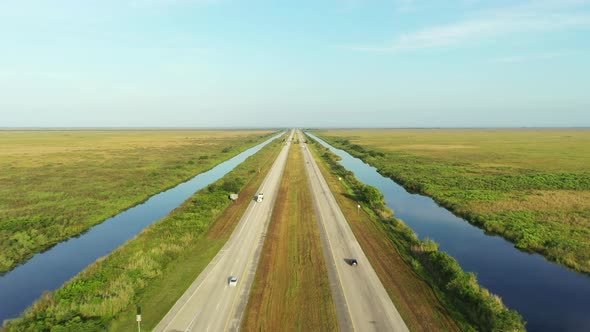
<point x="210" y="304"/>
<point x="362" y="303"/>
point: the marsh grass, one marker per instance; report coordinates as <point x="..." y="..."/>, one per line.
<point x="531" y="186"/>
<point x="57" y="184"/>
<point x="153" y="269"/>
<point x="412" y="270"/>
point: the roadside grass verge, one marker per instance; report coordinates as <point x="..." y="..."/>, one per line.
<point x="155" y="268"/>
<point x="57" y="184"/>
<point x="412" y="296"/>
<point x="530" y="186"/>
<point x="428" y="287"/>
<point x="291" y="291"/>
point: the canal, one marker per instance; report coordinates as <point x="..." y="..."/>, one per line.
<point x="550" y="297"/>
<point x="49" y="270"/>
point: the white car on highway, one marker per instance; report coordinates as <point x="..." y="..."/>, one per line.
<point x="233" y="281"/>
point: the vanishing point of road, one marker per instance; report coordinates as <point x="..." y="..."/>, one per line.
<point x="210" y="304"/>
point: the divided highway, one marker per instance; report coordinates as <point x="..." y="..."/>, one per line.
<point x="210" y="304"/>
<point x="362" y="303"/>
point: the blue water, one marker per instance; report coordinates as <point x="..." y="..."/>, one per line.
<point x="20" y="287"/>
<point x="550" y="297"/>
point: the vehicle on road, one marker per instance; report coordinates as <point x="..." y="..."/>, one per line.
<point x="233" y="281"/>
<point x="353" y="262"/>
<point x="259" y="197"/>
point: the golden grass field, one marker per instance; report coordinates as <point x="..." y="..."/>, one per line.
<point x="153" y="269"/>
<point x="56" y="184"/>
<point x="530" y="185"/>
<point x="538" y="149"/>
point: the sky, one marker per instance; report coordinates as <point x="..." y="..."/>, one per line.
<point x="320" y="63"/>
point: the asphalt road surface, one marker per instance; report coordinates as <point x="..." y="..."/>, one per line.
<point x="362" y="303"/>
<point x="210" y="304"/>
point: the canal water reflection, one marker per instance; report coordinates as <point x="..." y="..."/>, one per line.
<point x="550" y="297"/>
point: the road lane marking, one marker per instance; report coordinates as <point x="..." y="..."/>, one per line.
<point x="188" y="328"/>
<point x="249" y="211"/>
<point x="391" y="316"/>
<point x="215" y="263"/>
<point x="249" y="261"/>
<point x="313" y="166"/>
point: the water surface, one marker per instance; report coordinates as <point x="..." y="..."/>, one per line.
<point x="20" y="287"/>
<point x="550" y="297"/>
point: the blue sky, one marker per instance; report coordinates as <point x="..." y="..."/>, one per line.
<point x="339" y="63"/>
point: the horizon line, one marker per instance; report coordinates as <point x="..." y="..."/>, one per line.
<point x="81" y="128"/>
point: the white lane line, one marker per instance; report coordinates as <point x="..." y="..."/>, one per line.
<point x="313" y="165"/>
<point x="188" y="328"/>
<point x="249" y="212"/>
<point x="275" y="183"/>
<point x="215" y="262"/>
<point x="245" y="223"/>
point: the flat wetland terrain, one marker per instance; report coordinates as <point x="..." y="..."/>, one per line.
<point x="56" y="184"/>
<point x="530" y="185"/>
<point x="417" y="303"/>
<point x="156" y="267"/>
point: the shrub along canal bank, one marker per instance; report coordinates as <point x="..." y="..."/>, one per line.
<point x="471" y="306"/>
<point x="532" y="186"/>
<point x="113" y="284"/>
<point x="550" y="297"/>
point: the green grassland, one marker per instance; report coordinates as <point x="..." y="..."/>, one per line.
<point x="428" y="286"/>
<point x="56" y="184"/>
<point x="155" y="268"/>
<point x="531" y="186"/>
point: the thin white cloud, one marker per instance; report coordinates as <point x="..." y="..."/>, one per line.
<point x="164" y="3"/>
<point x="535" y="17"/>
<point x="530" y="57"/>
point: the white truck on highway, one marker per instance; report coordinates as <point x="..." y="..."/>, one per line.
<point x="259" y="197"/>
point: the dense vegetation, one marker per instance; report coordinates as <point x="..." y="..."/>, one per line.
<point x="153" y="269"/>
<point x="56" y="184"/>
<point x="472" y="306"/>
<point x="530" y="186"/>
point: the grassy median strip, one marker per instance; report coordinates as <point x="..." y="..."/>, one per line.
<point x="430" y="290"/>
<point x="154" y="269"/>
<point x="532" y="186"/>
<point x="57" y="184"/>
<point x="291" y="291"/>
